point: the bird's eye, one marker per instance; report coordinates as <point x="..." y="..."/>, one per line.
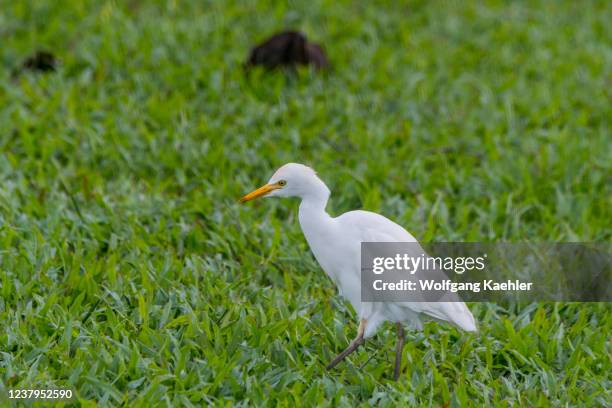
<point x="282" y="183"/>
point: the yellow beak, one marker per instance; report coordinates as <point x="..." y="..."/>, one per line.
<point x="261" y="191"/>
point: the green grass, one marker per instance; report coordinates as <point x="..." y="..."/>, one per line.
<point x="131" y="275"/>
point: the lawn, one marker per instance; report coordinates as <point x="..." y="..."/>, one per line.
<point x="131" y="275"/>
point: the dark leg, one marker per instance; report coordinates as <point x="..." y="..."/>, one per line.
<point x="359" y="340"/>
<point x="398" y="351"/>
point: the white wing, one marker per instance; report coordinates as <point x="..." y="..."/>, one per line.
<point x="372" y="227"/>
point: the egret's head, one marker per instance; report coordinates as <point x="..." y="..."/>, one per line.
<point x="291" y="180"/>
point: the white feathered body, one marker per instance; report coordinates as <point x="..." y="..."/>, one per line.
<point x="336" y="244"/>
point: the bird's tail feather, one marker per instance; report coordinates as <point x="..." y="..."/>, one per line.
<point x="456" y="313"/>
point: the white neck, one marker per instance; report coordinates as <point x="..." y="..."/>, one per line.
<point x="315" y="197"/>
<point x="314" y="201"/>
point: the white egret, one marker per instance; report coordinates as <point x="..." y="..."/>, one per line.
<point x="336" y="244"/>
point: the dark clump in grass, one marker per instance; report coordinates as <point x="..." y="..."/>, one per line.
<point x="287" y="49"/>
<point x="40" y="61"/>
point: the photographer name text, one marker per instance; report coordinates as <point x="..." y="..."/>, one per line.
<point x="425" y="285"/>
